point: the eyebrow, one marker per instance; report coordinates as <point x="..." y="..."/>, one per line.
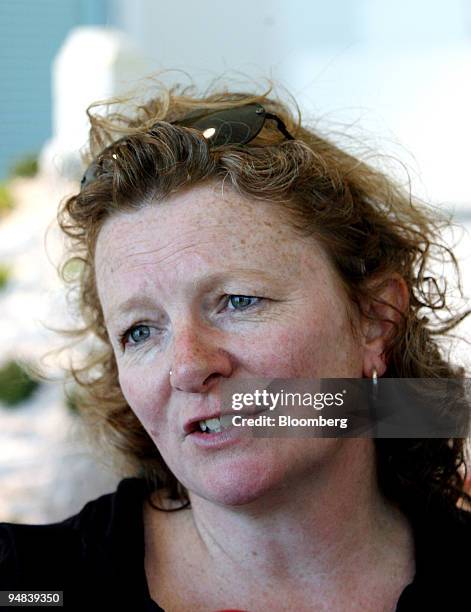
<point x="130" y="304"/>
<point x="145" y="301"/>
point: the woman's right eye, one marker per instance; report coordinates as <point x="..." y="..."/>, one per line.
<point x="136" y="334"/>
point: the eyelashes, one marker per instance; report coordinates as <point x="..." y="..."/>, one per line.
<point x="229" y="299"/>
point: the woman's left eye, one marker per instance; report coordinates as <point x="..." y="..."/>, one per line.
<point x="242" y="302"/>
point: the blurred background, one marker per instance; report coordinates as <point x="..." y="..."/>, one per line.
<point x="393" y="76"/>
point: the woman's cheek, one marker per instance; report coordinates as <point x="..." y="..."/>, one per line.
<point x="280" y="355"/>
<point x="137" y="393"/>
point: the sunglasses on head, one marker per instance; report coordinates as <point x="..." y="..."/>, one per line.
<point x="232" y="126"/>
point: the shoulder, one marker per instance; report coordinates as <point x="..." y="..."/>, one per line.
<point x="442" y="553"/>
<point x="444" y="542"/>
<point x="55" y="554"/>
<point x="445" y="531"/>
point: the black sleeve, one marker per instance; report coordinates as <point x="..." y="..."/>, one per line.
<point x="39" y="557"/>
<point x="96" y="557"/>
<point x="9" y="572"/>
<point x="48" y="558"/>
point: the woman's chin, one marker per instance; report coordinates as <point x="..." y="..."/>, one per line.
<point x="238" y="485"/>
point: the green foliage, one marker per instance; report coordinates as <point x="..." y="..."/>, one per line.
<point x="73" y="268"/>
<point x="6" y="199"/>
<point x="5" y="275"/>
<point x="16" y="384"/>
<point x="71" y="397"/>
<point x="27" y="166"/>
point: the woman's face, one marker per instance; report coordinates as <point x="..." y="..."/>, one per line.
<point x="165" y="275"/>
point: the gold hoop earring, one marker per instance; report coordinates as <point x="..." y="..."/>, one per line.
<point x="374" y="381"/>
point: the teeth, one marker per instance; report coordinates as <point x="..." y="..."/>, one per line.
<point x="215" y="424"/>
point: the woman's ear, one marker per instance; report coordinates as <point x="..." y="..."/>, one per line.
<point x="393" y="298"/>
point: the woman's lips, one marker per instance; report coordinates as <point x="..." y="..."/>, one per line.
<point x="225" y="437"/>
<point x="217" y="439"/>
<point x="192" y="425"/>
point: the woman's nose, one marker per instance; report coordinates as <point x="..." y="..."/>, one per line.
<point x="198" y="361"/>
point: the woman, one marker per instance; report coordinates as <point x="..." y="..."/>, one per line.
<point x="221" y="240"/>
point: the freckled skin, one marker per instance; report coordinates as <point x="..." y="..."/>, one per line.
<point x="301" y="330"/>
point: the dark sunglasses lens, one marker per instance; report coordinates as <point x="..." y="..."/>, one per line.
<point x="237" y="125"/>
<point x="90" y="175"/>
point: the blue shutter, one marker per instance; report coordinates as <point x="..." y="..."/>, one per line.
<point x="31" y="33"/>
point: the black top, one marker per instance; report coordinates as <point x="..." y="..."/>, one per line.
<point x="96" y="557"/>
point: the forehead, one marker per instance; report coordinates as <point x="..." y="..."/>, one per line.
<point x="174" y="252"/>
<point x="201" y="225"/>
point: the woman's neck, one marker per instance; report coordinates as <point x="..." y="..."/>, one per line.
<point x="325" y="527"/>
<point x="329" y="541"/>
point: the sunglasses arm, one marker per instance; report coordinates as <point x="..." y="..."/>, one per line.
<point x="280" y="124"/>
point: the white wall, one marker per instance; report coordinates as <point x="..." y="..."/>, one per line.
<point x="399" y="70"/>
